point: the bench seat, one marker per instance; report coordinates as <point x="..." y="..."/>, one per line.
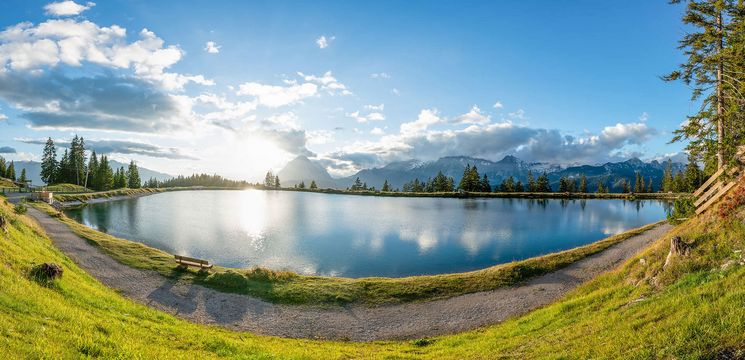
<point x="187" y="261"/>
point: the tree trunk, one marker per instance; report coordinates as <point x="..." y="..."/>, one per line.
<point x="677" y="248"/>
<point x="720" y="94"/>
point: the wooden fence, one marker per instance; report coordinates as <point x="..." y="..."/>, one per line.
<point x="718" y="185"/>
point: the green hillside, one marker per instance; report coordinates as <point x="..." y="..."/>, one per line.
<point x="691" y="309"/>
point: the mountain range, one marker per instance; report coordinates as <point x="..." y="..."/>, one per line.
<point x="33" y="171"/>
<point x="611" y="174"/>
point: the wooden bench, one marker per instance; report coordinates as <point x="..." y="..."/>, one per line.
<point x="187" y="261"/>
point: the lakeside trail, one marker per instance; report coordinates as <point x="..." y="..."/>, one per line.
<point x="402" y="321"/>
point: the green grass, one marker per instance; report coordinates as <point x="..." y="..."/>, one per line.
<point x="290" y="288"/>
<point x="66" y="188"/>
<point x="6" y="183"/>
<point x="692" y="309"/>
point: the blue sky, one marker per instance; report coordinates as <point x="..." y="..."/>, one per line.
<point x="239" y="87"/>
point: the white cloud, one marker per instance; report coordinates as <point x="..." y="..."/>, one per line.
<point x="416" y="140"/>
<point x="426" y="118"/>
<point x="475" y="116"/>
<point x="275" y="95"/>
<point x="377" y="131"/>
<point x="380" y="107"/>
<point x="212" y="47"/>
<point x="324" y="42"/>
<point x="25" y="47"/>
<point x="644" y="117"/>
<point x="519" y="114"/>
<point x="328" y="82"/>
<point x="66" y="8"/>
<point x="498" y="105"/>
<point x="363" y="118"/>
<point x="380" y="75"/>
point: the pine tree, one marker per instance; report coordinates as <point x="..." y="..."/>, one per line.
<point x="105" y="176"/>
<point x="692" y="176"/>
<point x="301" y="185"/>
<point x="269" y="179"/>
<point x="133" y="176"/>
<point x="3" y="167"/>
<point x="667" y="177"/>
<point x="49" y="162"/>
<point x="92" y="170"/>
<point x="23" y="179"/>
<point x="531" y="182"/>
<point x="650" y="186"/>
<point x="542" y="184"/>
<point x="10" y="173"/>
<point x="277" y="185"/>
<point x="313" y="185"/>
<point x="519" y="187"/>
<point x="638" y="183"/>
<point x="508" y="185"/>
<point x="714" y="71"/>
<point x="601" y="188"/>
<point x="386" y="186"/>
<point x="464" y="181"/>
<point x="357" y="186"/>
<point x="484" y="185"/>
<point x="625" y="186"/>
<point x="583" y="184"/>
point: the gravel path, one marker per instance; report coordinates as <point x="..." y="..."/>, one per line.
<point x="406" y="321"/>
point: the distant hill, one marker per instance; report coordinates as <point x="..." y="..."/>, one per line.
<point x="33" y="171"/>
<point x="302" y="169"/>
<point x="400" y="172"/>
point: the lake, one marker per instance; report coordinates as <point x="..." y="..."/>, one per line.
<point x="357" y="236"/>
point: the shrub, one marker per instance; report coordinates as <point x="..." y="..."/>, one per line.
<point x="20" y="209"/>
<point x="46" y="273"/>
<point x="732" y="202"/>
<point x="682" y="209"/>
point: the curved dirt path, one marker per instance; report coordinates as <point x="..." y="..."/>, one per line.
<point x="405" y="321"/>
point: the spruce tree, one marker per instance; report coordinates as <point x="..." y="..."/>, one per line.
<point x="542" y="184"/>
<point x="92" y="171"/>
<point x="386" y="186"/>
<point x="313" y="185"/>
<point x="531" y="182"/>
<point x="714" y="72"/>
<point x="23" y="179"/>
<point x="133" y="176"/>
<point x="519" y="187"/>
<point x="49" y="162"/>
<point x="583" y="184"/>
<point x="3" y="167"/>
<point x="277" y="185"/>
<point x="10" y="173"/>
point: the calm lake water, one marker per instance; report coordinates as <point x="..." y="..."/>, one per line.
<point x="355" y="236"/>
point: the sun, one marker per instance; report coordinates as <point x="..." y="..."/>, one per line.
<point x="255" y="155"/>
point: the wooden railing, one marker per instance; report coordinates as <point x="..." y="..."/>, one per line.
<point x="718" y="185"/>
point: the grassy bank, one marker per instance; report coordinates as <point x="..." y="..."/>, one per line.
<point x="287" y="287"/>
<point x="690" y="309"/>
<point x="85" y="197"/>
<point x="66" y="188"/>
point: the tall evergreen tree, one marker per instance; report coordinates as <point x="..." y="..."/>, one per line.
<point x="712" y="71"/>
<point x="313" y="185"/>
<point x="133" y="176"/>
<point x="583" y="184"/>
<point x="269" y="179"/>
<point x="277" y="185"/>
<point x="23" y="178"/>
<point x="531" y="182"/>
<point x="10" y="173"/>
<point x="49" y="162"/>
<point x="3" y="167"/>
<point x="667" y="177"/>
<point x="542" y="184"/>
<point x="92" y="170"/>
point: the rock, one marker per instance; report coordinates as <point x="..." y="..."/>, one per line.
<point x="677" y="248"/>
<point x="642" y="261"/>
<point x="727" y="264"/>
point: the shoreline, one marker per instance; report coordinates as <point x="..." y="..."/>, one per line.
<point x="287" y="287"/>
<point x="356" y="322"/>
<point x="80" y="199"/>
